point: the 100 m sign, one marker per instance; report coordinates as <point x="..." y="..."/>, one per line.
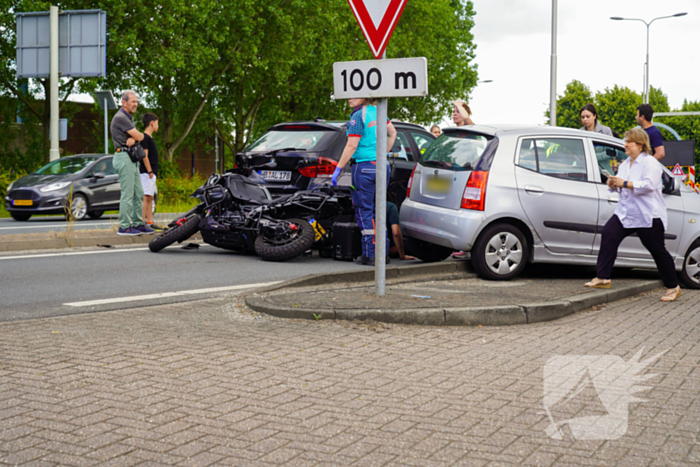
<point x="380" y="78"/>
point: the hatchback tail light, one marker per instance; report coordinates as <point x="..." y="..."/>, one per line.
<point x="323" y="169"/>
<point x="410" y="182"/>
<point x="475" y="191"/>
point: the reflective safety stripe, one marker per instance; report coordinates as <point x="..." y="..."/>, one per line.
<point x="367" y="232"/>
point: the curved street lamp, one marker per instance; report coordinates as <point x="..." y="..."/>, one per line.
<point x="646" y="65"/>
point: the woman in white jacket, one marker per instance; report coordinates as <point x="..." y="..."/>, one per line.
<point x="641" y="210"/>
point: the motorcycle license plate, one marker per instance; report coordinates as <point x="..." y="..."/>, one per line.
<point x="275" y="175"/>
<point x="22" y="202"/>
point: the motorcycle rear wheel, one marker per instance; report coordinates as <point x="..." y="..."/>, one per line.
<point x="271" y="250"/>
<point x="177" y="233"/>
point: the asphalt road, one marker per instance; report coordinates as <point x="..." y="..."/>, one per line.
<point x="39" y="224"/>
<point x="45" y="284"/>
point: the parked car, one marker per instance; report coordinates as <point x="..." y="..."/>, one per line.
<point x="513" y="195"/>
<point x="90" y="179"/>
<point x="297" y="156"/>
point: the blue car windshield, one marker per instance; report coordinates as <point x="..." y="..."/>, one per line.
<point x="305" y="140"/>
<point x="65" y="166"/>
<point x="455" y="151"/>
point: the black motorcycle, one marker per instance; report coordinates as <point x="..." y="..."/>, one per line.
<point x="237" y="214"/>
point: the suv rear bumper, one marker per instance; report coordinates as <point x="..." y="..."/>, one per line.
<point x="456" y="229"/>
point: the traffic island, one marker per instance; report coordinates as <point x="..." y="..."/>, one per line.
<point x="444" y="294"/>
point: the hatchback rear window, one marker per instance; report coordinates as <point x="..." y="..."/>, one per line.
<point x="304" y="140"/>
<point x="455" y="151"/>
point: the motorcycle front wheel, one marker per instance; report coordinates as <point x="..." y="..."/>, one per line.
<point x="294" y="241"/>
<point x="183" y="229"/>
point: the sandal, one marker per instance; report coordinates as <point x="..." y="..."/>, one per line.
<point x="605" y="284"/>
<point x="672" y="294"/>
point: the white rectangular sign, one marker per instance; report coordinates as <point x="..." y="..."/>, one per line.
<point x="400" y="77"/>
<point x="82" y="49"/>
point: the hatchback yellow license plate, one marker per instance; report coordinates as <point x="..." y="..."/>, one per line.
<point x="439" y="185"/>
<point x="22" y="202"/>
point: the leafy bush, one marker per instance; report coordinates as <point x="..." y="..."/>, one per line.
<point x="7" y="177"/>
<point x="174" y="186"/>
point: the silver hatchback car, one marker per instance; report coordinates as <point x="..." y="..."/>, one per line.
<point x="512" y="195"/>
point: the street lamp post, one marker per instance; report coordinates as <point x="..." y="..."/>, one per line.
<point x="646" y="65"/>
<point x="553" y="70"/>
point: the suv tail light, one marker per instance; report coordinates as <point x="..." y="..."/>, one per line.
<point x="323" y="169"/>
<point x="475" y="191"/>
<point x="410" y="182"/>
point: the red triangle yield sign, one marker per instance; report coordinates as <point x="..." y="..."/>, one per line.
<point x="377" y="22"/>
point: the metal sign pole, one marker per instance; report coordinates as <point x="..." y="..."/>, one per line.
<point x="106" y="135"/>
<point x="54" y="152"/>
<point x="380" y="204"/>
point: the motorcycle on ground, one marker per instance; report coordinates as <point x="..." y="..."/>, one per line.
<point x="237" y="214"/>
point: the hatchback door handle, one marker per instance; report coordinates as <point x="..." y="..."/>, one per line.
<point x="612" y="200"/>
<point x="535" y="190"/>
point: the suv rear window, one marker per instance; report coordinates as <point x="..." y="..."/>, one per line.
<point x="456" y="150"/>
<point x="306" y="140"/>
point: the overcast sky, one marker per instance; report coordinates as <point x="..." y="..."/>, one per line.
<point x="513" y="39"/>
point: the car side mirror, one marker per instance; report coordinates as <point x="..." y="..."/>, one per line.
<point x="671" y="185"/>
<point x="98" y="176"/>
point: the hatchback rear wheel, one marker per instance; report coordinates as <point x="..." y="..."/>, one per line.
<point x="500" y="253"/>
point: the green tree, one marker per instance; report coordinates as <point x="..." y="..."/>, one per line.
<point x="240" y="66"/>
<point x="439" y="30"/>
<point x="576" y="95"/>
<point x="617" y="108"/>
<point x="658" y="100"/>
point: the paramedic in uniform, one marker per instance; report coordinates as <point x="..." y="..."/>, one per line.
<point x="362" y="149"/>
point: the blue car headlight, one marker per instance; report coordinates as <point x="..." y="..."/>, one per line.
<point x="54" y="186"/>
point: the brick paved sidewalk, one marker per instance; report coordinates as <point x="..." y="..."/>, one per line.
<point x="211" y="383"/>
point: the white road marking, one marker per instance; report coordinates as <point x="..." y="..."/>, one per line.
<point x="56" y="226"/>
<point x="168" y="294"/>
<point x="75" y="253"/>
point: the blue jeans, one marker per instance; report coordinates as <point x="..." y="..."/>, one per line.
<point x="364" y="179"/>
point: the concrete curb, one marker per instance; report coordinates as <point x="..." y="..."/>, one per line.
<point x="457" y="268"/>
<point x="77" y="239"/>
<point x="507" y="315"/>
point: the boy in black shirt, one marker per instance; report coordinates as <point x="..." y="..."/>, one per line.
<point x="148" y="179"/>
